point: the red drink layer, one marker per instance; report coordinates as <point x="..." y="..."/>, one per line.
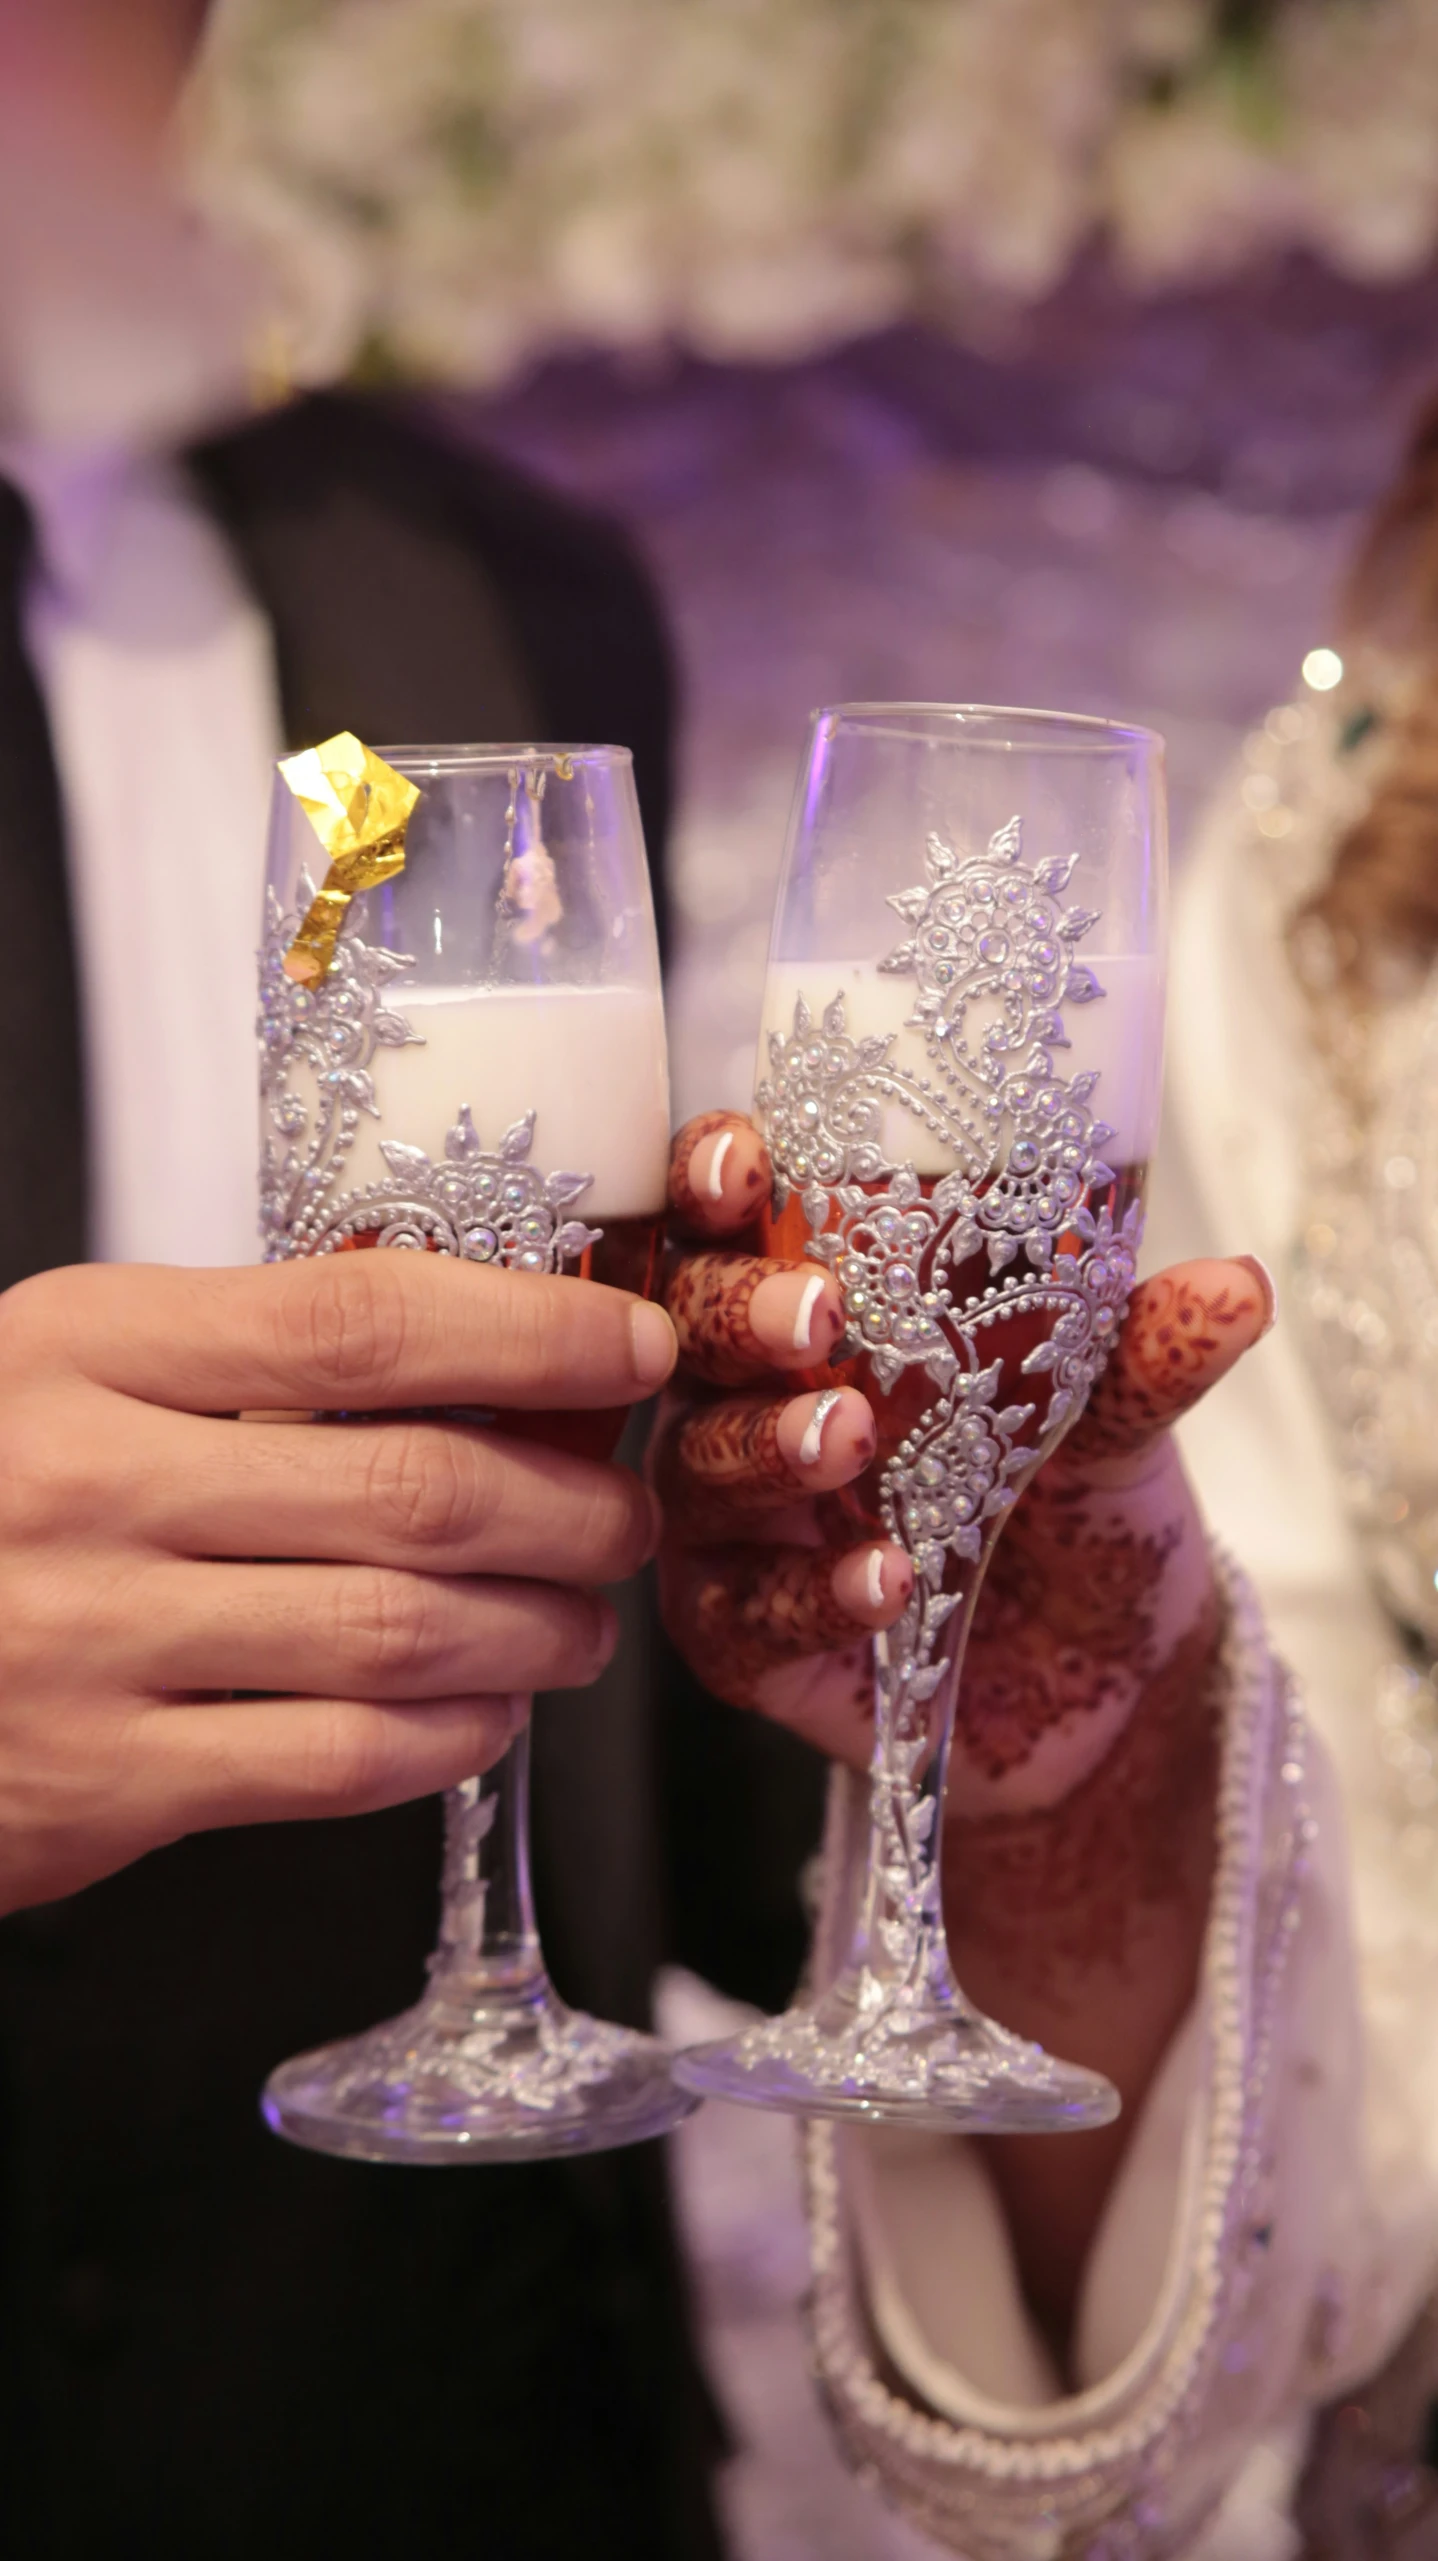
<point x="629" y="1255"/>
<point x="1007" y="1338"/>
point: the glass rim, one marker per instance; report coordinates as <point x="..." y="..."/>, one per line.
<point x="490" y="756"/>
<point x="1074" y="729"/>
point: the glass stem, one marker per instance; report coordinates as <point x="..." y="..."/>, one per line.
<point x="487" y="1933"/>
<point x="899" y="1940"/>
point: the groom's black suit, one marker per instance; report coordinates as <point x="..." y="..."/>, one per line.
<point x="211" y="2344"/>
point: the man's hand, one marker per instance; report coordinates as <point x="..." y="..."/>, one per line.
<point x="394" y="1588"/>
<point x="1081" y="1782"/>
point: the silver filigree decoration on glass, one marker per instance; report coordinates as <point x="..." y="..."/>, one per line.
<point x="483" y="1205"/>
<point x="989" y="937"/>
<point x="533" y="2056"/>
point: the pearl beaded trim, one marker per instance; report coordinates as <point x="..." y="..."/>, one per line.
<point x="1108" y="2491"/>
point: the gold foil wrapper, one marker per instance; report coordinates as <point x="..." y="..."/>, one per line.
<point x="359" y="808"/>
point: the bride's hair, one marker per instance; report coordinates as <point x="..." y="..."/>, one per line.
<point x="1380" y="900"/>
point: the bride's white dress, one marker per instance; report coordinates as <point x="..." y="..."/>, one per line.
<point x="1274" y="2231"/>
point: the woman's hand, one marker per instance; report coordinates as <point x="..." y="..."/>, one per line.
<point x="393" y="1588"/>
<point x="1081" y="1782"/>
<point x="771" y="1595"/>
<point x="765" y="1585"/>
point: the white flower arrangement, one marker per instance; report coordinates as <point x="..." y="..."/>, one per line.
<point x="457" y="187"/>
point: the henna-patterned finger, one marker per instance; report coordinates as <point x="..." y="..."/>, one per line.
<point x="739" y="1316"/>
<point x="719" y="1174"/>
<point x="747" y="1456"/>
<point x="737" y="1612"/>
<point x="1184" y="1331"/>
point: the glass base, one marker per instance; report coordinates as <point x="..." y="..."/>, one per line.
<point x="869" y="2054"/>
<point x="474" y="2075"/>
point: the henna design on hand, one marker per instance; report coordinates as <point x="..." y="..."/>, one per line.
<point x="1045" y="1898"/>
<point x="1066" y="1633"/>
<point x="1089" y="1658"/>
<point x="1099" y="1626"/>
<point x="1185" y="1328"/>
<point x="738" y="1611"/>
<point x="1062" y="1631"/>
<point x="715" y="1465"/>
<point x="1075" y="1559"/>
<point x="731" y="1465"/>
<point x="710" y="1298"/>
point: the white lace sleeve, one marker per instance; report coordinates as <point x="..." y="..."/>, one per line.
<point x="1258" y="1153"/>
<point x="1218" y="2293"/>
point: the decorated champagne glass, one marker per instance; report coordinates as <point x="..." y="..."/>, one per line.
<point x="462" y="1052"/>
<point x="959" y="1084"/>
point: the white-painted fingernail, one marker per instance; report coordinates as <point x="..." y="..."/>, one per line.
<point x="715" y="1184"/>
<point x="876" y="1578"/>
<point x="811" y="1447"/>
<point x="813" y="1292"/>
<point x="1268" y="1284"/>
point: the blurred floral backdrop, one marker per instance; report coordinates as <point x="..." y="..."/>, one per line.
<point x="1136" y="508"/>
<point x="461" y="186"/>
<point x="1006" y="350"/>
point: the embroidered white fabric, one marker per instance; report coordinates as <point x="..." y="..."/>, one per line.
<point x="986" y="2453"/>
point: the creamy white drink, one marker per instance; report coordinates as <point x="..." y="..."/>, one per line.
<point x="1116" y="1033"/>
<point x="589" y="1062"/>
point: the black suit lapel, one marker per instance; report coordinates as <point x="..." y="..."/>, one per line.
<point x="382" y="622"/>
<point x="42" y="1136"/>
<point x="418" y="592"/>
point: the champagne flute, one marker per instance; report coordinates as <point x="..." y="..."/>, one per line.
<point x="474" y="1064"/>
<point x="959" y="1082"/>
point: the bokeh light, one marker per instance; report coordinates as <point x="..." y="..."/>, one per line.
<point x="1322" y="670"/>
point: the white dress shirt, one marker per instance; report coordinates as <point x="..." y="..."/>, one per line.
<point x="123" y="331"/>
<point x="158" y="675"/>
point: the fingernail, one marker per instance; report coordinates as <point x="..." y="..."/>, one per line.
<point x="828" y="1438"/>
<point x="873" y="1582"/>
<point x="1255" y="1263"/>
<point x="811" y="1447"/>
<point x="795" y="1316"/>
<point x="711" y="1182"/>
<point x="653" y="1342"/>
<point x="804" y="1316"/>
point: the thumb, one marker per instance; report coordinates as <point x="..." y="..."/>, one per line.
<point x="1184" y="1331"/>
